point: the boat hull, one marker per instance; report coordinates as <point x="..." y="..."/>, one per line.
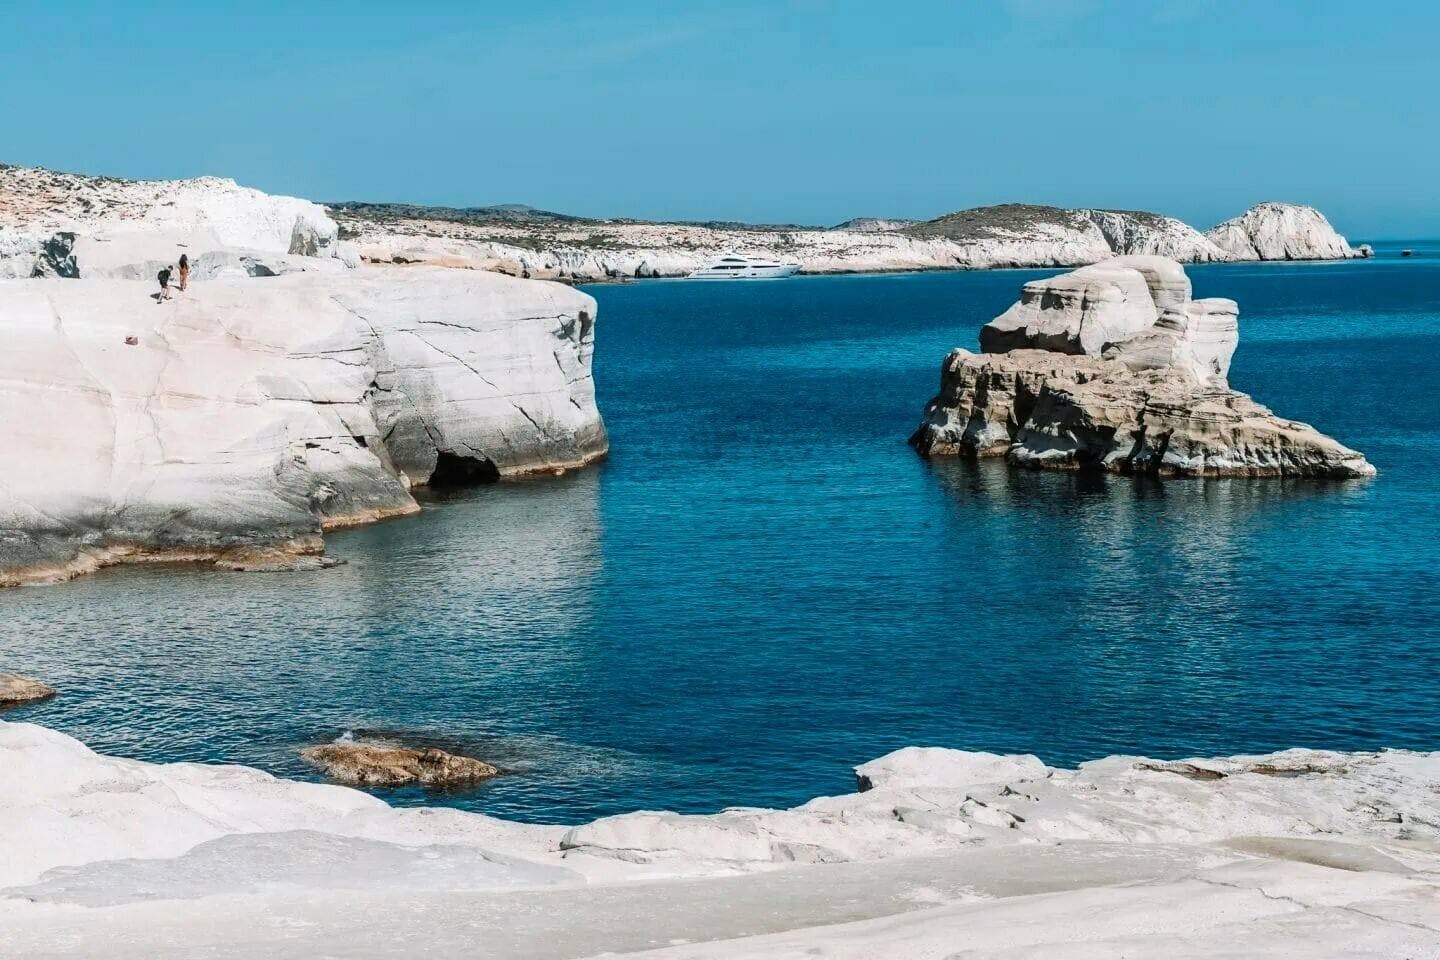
<point x="746" y="273"/>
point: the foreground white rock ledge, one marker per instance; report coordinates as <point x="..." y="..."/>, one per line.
<point x="241" y="419"/>
<point x="947" y="854"/>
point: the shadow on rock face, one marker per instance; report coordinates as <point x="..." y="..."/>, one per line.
<point x="454" y="471"/>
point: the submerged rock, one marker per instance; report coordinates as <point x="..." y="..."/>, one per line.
<point x="1155" y="401"/>
<point x="389" y="765"/>
<point x="15" y="690"/>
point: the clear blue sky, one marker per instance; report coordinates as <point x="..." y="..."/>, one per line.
<point x="777" y="110"/>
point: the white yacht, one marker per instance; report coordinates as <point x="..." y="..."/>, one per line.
<point x="736" y="267"/>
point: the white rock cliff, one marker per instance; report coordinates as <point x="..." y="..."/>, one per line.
<point x="247" y="416"/>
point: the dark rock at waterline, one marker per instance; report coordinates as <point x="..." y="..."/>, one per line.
<point x="391" y="765"/>
<point x="16" y="690"/>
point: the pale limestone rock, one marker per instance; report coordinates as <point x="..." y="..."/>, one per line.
<point x="139" y="253"/>
<point x="1081" y="312"/>
<point x="1169" y="285"/>
<point x="348" y="253"/>
<point x="197" y="216"/>
<point x="248" y="416"/>
<point x="1139" y="233"/>
<point x="1282" y="231"/>
<point x="1157" y="402"/>
<point x="1042" y="409"/>
<point x="1295" y="854"/>
<point x="645" y="837"/>
<point x="15" y="690"/>
<point x="1198" y="337"/>
<point x="916" y="767"/>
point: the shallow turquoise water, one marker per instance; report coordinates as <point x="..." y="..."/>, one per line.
<point x="764" y="586"/>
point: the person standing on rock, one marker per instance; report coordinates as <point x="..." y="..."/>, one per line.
<point x="184" y="272"/>
<point x="164" y="277"/>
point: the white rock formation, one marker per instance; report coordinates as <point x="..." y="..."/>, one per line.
<point x="248" y="416"/>
<point x="1083" y="311"/>
<point x="1196" y="336"/>
<point x="210" y="214"/>
<point x="1085" y="372"/>
<point x="1149" y="234"/>
<point x="1282" y="231"/>
<point x="1300" y="853"/>
<point x="142" y="223"/>
<point x="599" y="250"/>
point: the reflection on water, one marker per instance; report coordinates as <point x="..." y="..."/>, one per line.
<point x="763" y="585"/>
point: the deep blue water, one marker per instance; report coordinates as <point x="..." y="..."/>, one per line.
<point x="764" y="586"/>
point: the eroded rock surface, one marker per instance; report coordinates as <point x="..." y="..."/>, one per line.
<point x="1302" y="852"/>
<point x="1109" y="368"/>
<point x="239" y="420"/>
<point x="16" y="690"/>
<point x="395" y="765"/>
<point x="138" y="226"/>
<point x="1282" y="231"/>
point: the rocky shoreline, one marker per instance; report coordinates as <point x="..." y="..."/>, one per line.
<point x="122" y="228"/>
<point x="285" y="393"/>
<point x="1331" y="854"/>
<point x="1004" y="236"/>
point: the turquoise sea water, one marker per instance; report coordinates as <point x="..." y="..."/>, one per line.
<point x="764" y="586"/>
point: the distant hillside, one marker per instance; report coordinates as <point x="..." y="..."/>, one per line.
<point x="519" y="214"/>
<point x="1006" y="220"/>
<point x="874" y="225"/>
<point x="516" y="213"/>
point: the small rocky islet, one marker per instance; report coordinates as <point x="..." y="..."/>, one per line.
<point x="387" y="763"/>
<point x="1114" y="367"/>
<point x="16" y="690"/>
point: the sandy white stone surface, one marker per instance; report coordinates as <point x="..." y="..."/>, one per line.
<point x="136" y="219"/>
<point x="238" y="420"/>
<point x="949" y="854"/>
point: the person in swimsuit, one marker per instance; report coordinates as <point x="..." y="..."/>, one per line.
<point x="184" y="272"/>
<point x="164" y="277"/>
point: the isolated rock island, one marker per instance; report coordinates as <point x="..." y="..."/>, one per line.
<point x="283" y="394"/>
<point x="1114" y="367"/>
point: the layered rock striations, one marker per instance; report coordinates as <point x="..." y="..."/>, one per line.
<point x="1302" y="852"/>
<point x="238" y="421"/>
<point x="282" y="394"/>
<point x="1282" y="231"/>
<point x="1114" y="367"/>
